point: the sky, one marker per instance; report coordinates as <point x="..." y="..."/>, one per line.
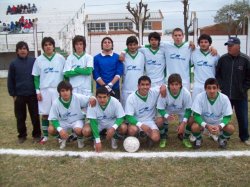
<point x="172" y="9"/>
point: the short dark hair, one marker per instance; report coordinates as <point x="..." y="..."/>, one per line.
<point x="144" y="78"/>
<point x="131" y="39"/>
<point x="22" y="44"/>
<point x="177" y="30"/>
<point x="64" y="85"/>
<point x="48" y="39"/>
<point x="175" y="77"/>
<point x="205" y="37"/>
<point x="211" y="81"/>
<point x="102" y="90"/>
<point x="79" y="38"/>
<point x="155" y="35"/>
<point x="107" y="38"/>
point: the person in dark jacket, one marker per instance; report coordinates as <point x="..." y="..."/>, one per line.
<point x="21" y="88"/>
<point x="233" y="74"/>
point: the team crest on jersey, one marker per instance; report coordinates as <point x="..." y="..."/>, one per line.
<point x="75" y="66"/>
<point x="133" y="68"/>
<point x="50" y="70"/>
<point x="67" y="115"/>
<point x="145" y="109"/>
<point x="174" y="107"/>
<point x="211" y="115"/>
<point x="177" y="57"/>
<point x="203" y="63"/>
<point x="153" y="62"/>
<point x="103" y="117"/>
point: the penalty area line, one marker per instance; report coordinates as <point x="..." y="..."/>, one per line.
<point x="119" y="155"/>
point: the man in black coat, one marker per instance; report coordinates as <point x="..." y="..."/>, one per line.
<point x="233" y="74"/>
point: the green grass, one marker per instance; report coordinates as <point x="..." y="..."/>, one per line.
<point x="65" y="171"/>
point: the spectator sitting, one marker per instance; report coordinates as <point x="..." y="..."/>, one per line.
<point x="8" y="10"/>
<point x="33" y="8"/>
<point x="29" y="8"/>
<point x="26" y="27"/>
<point x="13" y="10"/>
<point x="12" y="27"/>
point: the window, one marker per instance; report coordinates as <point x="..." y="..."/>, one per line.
<point x="114" y="26"/>
<point x="96" y="27"/>
<point x="148" y="25"/>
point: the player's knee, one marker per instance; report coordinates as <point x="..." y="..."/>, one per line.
<point x="86" y="131"/>
<point x="132" y="130"/>
<point x="159" y="121"/>
<point x="155" y="136"/>
<point x="123" y="129"/>
<point x="52" y="130"/>
<point x="195" y="127"/>
<point x="229" y="128"/>
<point x="78" y="131"/>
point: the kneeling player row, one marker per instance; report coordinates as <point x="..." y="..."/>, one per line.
<point x="211" y="110"/>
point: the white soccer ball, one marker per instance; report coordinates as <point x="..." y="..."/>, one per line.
<point x="131" y="144"/>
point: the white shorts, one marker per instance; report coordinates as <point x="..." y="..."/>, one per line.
<point x="124" y="98"/>
<point x="108" y="126"/>
<point x="82" y="91"/>
<point x="150" y="124"/>
<point x="48" y="97"/>
<point x="76" y="124"/>
<point x="196" y="90"/>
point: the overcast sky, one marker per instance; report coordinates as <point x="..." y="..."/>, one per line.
<point x="172" y="9"/>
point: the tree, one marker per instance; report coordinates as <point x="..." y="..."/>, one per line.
<point x="140" y="15"/>
<point x="185" y="13"/>
<point x="233" y="14"/>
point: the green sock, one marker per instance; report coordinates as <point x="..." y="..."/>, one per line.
<point x="224" y="135"/>
<point x="187" y="131"/>
<point x="197" y="135"/>
<point x="45" y="125"/>
<point x="163" y="133"/>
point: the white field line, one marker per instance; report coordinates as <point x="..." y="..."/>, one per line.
<point x="119" y="155"/>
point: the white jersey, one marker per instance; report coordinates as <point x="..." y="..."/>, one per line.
<point x="204" y="66"/>
<point x="140" y="109"/>
<point x="212" y="113"/>
<point x="175" y="104"/>
<point x="106" y="116"/>
<point x="49" y="70"/>
<point x="133" y="70"/>
<point x="178" y="61"/>
<point x="155" y="64"/>
<point x="85" y="61"/>
<point x="69" y="115"/>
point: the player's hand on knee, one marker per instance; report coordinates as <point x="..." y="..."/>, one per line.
<point x="98" y="147"/>
<point x="146" y="129"/>
<point x="63" y="134"/>
<point x="181" y="128"/>
<point x="39" y="97"/>
<point x="110" y="133"/>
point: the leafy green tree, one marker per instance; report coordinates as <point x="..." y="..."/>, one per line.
<point x="233" y="14"/>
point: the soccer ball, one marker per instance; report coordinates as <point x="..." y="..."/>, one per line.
<point x="131" y="144"/>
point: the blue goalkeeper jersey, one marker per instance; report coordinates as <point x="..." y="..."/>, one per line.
<point x="107" y="67"/>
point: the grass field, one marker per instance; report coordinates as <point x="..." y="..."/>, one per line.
<point x="74" y="171"/>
